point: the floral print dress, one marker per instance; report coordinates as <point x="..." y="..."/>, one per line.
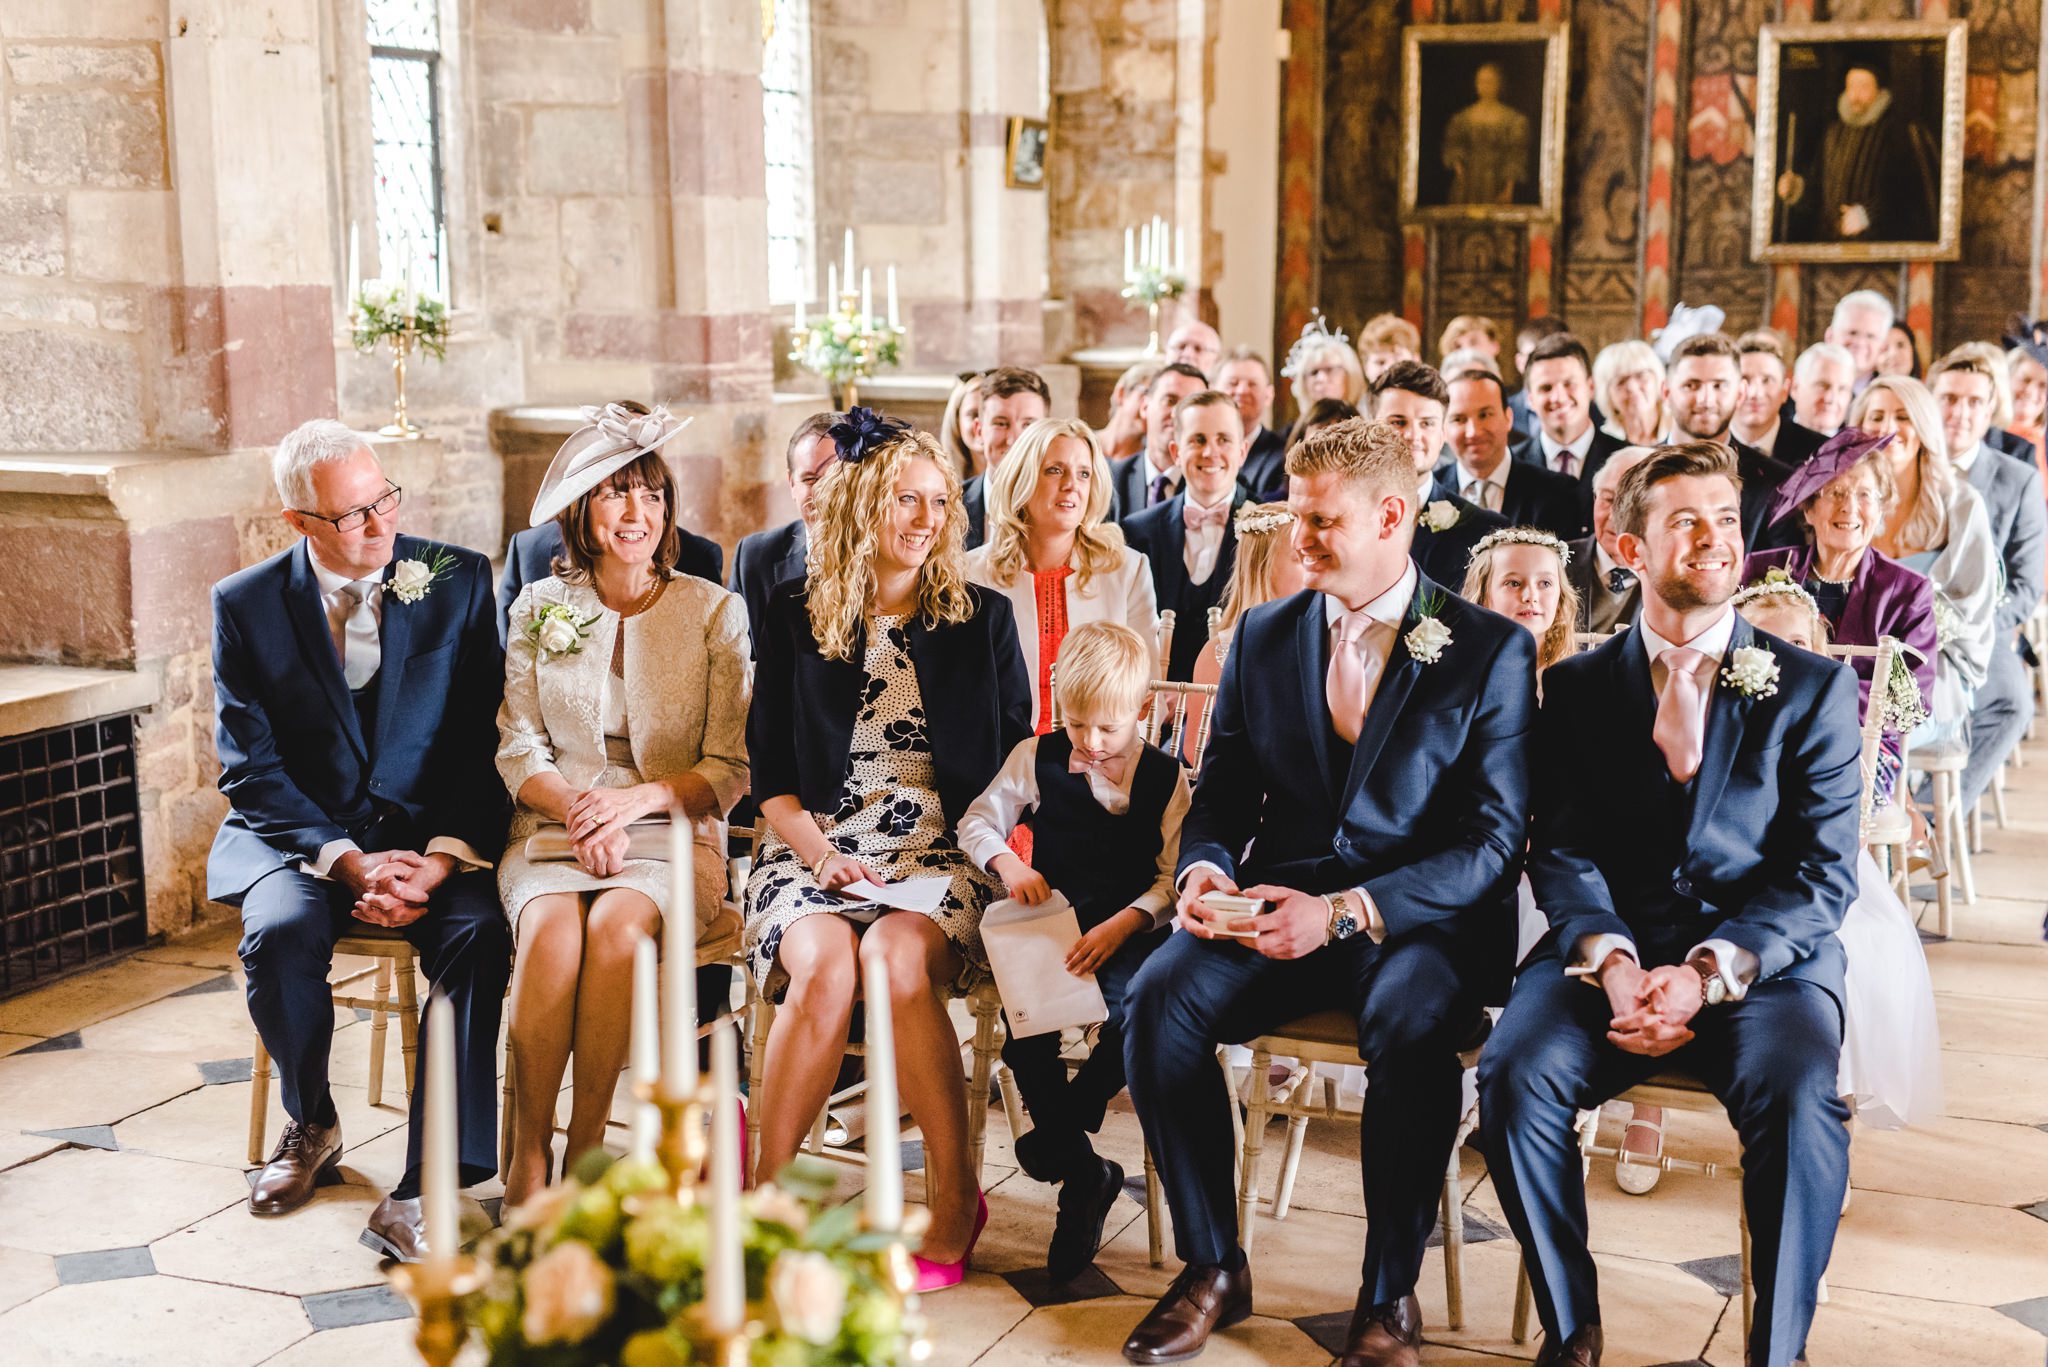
<point x="889" y="817"/>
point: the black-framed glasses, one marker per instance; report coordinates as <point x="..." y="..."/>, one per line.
<point x="356" y="517"/>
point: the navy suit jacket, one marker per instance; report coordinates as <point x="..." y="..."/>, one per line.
<point x="1795" y="444"/>
<point x="296" y="767"/>
<point x="760" y="562"/>
<point x="1162" y="536"/>
<point x="1761" y="475"/>
<point x="974" y="498"/>
<point x="1128" y="486"/>
<point x="2011" y="489"/>
<point x="1534" y="497"/>
<point x="1265" y="466"/>
<point x="1443" y="556"/>
<point x="1428" y="812"/>
<point x="1759" y="849"/>
<point x="977" y="702"/>
<point x="530" y="555"/>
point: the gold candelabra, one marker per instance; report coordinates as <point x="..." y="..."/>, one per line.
<point x="868" y="341"/>
<point x="402" y="343"/>
<point x="436" y="1289"/>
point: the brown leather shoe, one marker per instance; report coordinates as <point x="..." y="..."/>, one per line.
<point x="304" y="1154"/>
<point x="1387" y="1335"/>
<point x="1582" y="1349"/>
<point x="397" y="1229"/>
<point x="1200" y="1301"/>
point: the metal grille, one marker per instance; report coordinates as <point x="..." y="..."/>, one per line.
<point x="405" y="142"/>
<point x="785" y="106"/>
<point x="70" y="851"/>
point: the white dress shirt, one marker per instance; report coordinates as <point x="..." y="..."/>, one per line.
<point x="1200" y="549"/>
<point x="1487" y="491"/>
<point x="366" y="635"/>
<point x="1967" y="459"/>
<point x="1767" y="443"/>
<point x="1152" y="474"/>
<point x="985" y="828"/>
<point x="1738" y="966"/>
<point x="1570" y="458"/>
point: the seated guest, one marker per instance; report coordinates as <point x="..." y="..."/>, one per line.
<point x="1628" y="386"/>
<point x="1858" y="325"/>
<point x="1125" y="434"/>
<point x="626" y="689"/>
<point x="1410" y="397"/>
<point x="1728" y="968"/>
<point x="1532" y="332"/>
<point x="1266" y="568"/>
<point x="1701" y="388"/>
<point x="956" y="430"/>
<point x="1188" y="540"/>
<point x="533" y="552"/>
<point x="1968" y="387"/>
<point x="355" y="674"/>
<point x="2026" y="370"/>
<point x="1366" y="780"/>
<point x="1194" y="343"/>
<point x="1823" y="383"/>
<point x="1559" y="387"/>
<point x="1106" y="813"/>
<point x="1322" y="413"/>
<point x="1012" y="398"/>
<point x="1322" y="365"/>
<point x="1996" y="437"/>
<point x="1899" y="353"/>
<point x="1935" y="524"/>
<point x="888" y="692"/>
<point x="1520" y="574"/>
<point x="1608" y="593"/>
<point x="1476" y="420"/>
<point x="1052" y="554"/>
<point x="1759" y="420"/>
<point x="1245" y="378"/>
<point x="1150" y="477"/>
<point x="1385" y="339"/>
<point x="766" y="558"/>
<point x="1470" y="332"/>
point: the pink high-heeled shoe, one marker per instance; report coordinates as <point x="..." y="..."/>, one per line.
<point x="933" y="1276"/>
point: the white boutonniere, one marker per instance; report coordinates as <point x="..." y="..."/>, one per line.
<point x="1752" y="671"/>
<point x="557" y="630"/>
<point x="411" y="579"/>
<point x="1427" y="638"/>
<point x="1440" y="515"/>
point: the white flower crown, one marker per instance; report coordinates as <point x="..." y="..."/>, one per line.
<point x="1522" y="536"/>
<point x="1314" y="334"/>
<point x="1253" y="520"/>
<point x="1776" y="585"/>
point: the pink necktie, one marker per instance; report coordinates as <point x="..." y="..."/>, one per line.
<point x="1348" y="685"/>
<point x="1195" y="517"/>
<point x="1681" y="721"/>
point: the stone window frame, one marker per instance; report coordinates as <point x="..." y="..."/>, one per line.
<point x="796" y="14"/>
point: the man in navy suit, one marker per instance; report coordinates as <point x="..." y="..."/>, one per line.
<point x="1525" y="494"/>
<point x="1762" y="414"/>
<point x="1012" y="398"/>
<point x="1150" y="477"/>
<point x="764" y="559"/>
<point x="1410" y="397"/>
<point x="1248" y="380"/>
<point x="1567" y="438"/>
<point x="1694" y="849"/>
<point x="1367" y="780"/>
<point x="1700" y="390"/>
<point x="1190" y="541"/>
<point x="357" y="678"/>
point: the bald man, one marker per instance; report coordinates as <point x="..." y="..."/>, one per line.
<point x="1195" y="343"/>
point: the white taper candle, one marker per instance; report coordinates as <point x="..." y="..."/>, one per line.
<point x="439" y="1173"/>
<point x="725" y="1277"/>
<point x="679" y="968"/>
<point x="646" y="1047"/>
<point x="884" y="1195"/>
<point x="895" y="319"/>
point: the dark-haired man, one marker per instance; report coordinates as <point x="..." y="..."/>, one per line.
<point x="1701" y="389"/>
<point x="1410" y="397"/>
<point x="1150" y="477"/>
<point x="1012" y="398"/>
<point x="1476" y="419"/>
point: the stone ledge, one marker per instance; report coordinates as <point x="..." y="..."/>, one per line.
<point x="38" y="697"/>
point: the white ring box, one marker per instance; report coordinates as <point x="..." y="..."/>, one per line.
<point x="1234" y="910"/>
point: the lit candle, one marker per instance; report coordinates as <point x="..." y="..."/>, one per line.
<point x="438" y="1170"/>
<point x="725" y="1278"/>
<point x="884" y="1196"/>
<point x="646" y="1047"/>
<point x="895" y="319"/>
<point x="1129" y="260"/>
<point x="832" y="289"/>
<point x="849" y="258"/>
<point x="679" y="968"/>
<point x="1144" y="244"/>
<point x="867" y="299"/>
<point x="411" y="297"/>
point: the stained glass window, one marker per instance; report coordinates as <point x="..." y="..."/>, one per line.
<point x="785" y="106"/>
<point x="405" y="136"/>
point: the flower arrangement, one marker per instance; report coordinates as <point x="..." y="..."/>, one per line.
<point x="846" y="345"/>
<point x="1149" y="284"/>
<point x="607" y="1267"/>
<point x="393" y="309"/>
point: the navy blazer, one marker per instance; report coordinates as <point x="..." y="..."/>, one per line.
<point x="1128" y="486"/>
<point x="1759" y="849"/>
<point x="763" y="560"/>
<point x="1428" y="812"/>
<point x="296" y="767"/>
<point x="1795" y="444"/>
<point x="1265" y="466"/>
<point x="1761" y="475"/>
<point x="1534" y="497"/>
<point x="1161" y="535"/>
<point x="1444" y="555"/>
<point x="974" y="498"/>
<point x="2011" y="489"/>
<point x="531" y="552"/>
<point x="977" y="702"/>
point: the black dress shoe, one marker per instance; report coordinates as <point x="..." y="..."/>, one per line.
<point x="397" y="1230"/>
<point x="1084" y="1209"/>
<point x="1582" y="1349"/>
<point x="1388" y="1334"/>
<point x="1200" y="1301"/>
<point x="304" y="1155"/>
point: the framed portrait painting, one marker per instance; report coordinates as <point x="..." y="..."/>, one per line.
<point x="1859" y="142"/>
<point x="1482" y="122"/>
<point x="1024" y="163"/>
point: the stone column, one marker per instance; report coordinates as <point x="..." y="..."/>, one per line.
<point x="1006" y="228"/>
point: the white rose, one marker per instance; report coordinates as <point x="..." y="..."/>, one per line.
<point x="1440" y="516"/>
<point x="1754" y="671"/>
<point x="1428" y="638"/>
<point x="557" y="635"/>
<point x="842" y="332"/>
<point x="773" y="1204"/>
<point x="543" y="1208"/>
<point x="568" y="1295"/>
<point x="410" y="579"/>
<point x="809" y="1295"/>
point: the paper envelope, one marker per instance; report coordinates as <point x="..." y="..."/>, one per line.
<point x="1027" y="947"/>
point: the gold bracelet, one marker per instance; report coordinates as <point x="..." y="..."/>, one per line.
<point x="818" y="869"/>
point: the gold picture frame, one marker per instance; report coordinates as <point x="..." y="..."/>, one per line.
<point x="1506" y="179"/>
<point x="1917" y="141"/>
<point x="1024" y="153"/>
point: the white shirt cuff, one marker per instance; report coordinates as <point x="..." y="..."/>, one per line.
<point x="459" y="850"/>
<point x="1738" y="966"/>
<point x="324" y="861"/>
<point x="1374" y="925"/>
<point x="982" y="848"/>
<point x="1593" y="950"/>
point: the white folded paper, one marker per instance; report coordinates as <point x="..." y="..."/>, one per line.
<point x="921" y="895"/>
<point x="1027" y="947"/>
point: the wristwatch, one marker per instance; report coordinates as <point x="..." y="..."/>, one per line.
<point x="1713" y="987"/>
<point x="1343" y="925"/>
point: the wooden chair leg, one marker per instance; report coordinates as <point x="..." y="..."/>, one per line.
<point x="986" y="1047"/>
<point x="378" y="1016"/>
<point x="505" y="1101"/>
<point x="408" y="1020"/>
<point x="1519" y="1329"/>
<point x="1155" y="1238"/>
<point x="1748" y="1287"/>
<point x="1236" y="1115"/>
<point x="259" y="1099"/>
<point x="1256" y="1114"/>
<point x="1454" y="1244"/>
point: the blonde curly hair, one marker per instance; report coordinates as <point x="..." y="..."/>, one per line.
<point x="852" y="510"/>
<point x="1098" y="545"/>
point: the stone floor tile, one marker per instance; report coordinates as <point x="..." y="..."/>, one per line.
<point x="1090" y="1331"/>
<point x="1941" y="1250"/>
<point x="1035" y="1285"/>
<point x="211" y="946"/>
<point x="24" y="1275"/>
<point x="152" y="1320"/>
<point x="309" y="1251"/>
<point x="966" y="1321"/>
<point x="1954" y="1160"/>
<point x="1999" y="919"/>
<point x="372" y="1304"/>
<point x="1992" y="1025"/>
<point x="16" y="1149"/>
<point x="2004" y="1087"/>
<point x="362" y="1345"/>
<point x="10" y="1043"/>
<point x="104" y="1265"/>
<point x="1021" y="1214"/>
<point x="1684" y="1218"/>
<point x="211" y="1124"/>
<point x="77" y="1200"/>
<point x="1857" y="1327"/>
<point x="83" y="1136"/>
<point x="88" y="1086"/>
<point x="189" y="1026"/>
<point x="84" y="998"/>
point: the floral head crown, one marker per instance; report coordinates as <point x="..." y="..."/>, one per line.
<point x="1315" y="333"/>
<point x="1255" y="520"/>
<point x="864" y="432"/>
<point x="1776" y="584"/>
<point x="1522" y="536"/>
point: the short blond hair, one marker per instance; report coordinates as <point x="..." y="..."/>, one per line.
<point x="1390" y="332"/>
<point x="1981" y="358"/>
<point x="1102" y="666"/>
<point x="1370" y="453"/>
<point x="1462" y="324"/>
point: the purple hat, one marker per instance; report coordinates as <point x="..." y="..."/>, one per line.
<point x="1819" y="470"/>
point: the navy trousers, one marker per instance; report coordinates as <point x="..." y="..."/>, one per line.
<point x="290" y="922"/>
<point x="1999" y="716"/>
<point x="1414" y="1011"/>
<point x="1770" y="1058"/>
